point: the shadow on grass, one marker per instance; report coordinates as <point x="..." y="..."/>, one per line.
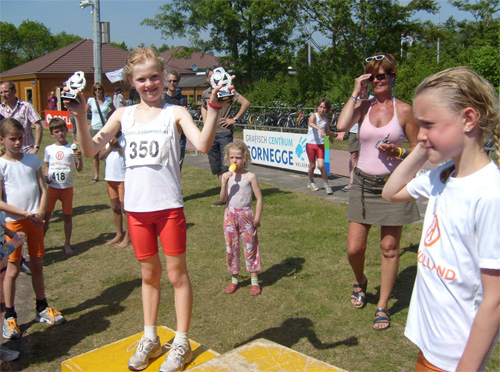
<point x="288" y="267"/>
<point x="56" y="341"/>
<point x="207" y="193"/>
<point x="293" y="330"/>
<point x="57" y="215"/>
<point x="56" y="253"/>
<point x="401" y="291"/>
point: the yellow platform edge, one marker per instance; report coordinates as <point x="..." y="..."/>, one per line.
<point x="114" y="356"/>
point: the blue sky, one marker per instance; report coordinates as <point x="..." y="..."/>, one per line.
<point x="125" y="17"/>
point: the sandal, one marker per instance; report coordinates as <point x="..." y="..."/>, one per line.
<point x="379" y="319"/>
<point x="231" y="288"/>
<point x="95" y="180"/>
<point x="348" y="186"/>
<point x="255" y="290"/>
<point x="357" y="296"/>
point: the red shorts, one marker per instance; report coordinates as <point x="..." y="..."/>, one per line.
<point x="145" y="227"/>
<point x="64" y="195"/>
<point x="423" y="365"/>
<point x="315" y="152"/>
<point x="34" y="236"/>
<point x="116" y="190"/>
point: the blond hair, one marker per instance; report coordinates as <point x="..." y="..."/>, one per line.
<point x="460" y="88"/>
<point x="238" y="146"/>
<point x="142" y="55"/>
<point x="7" y="126"/>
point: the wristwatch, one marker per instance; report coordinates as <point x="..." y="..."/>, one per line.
<point x="235" y="119"/>
<point x="37" y="147"/>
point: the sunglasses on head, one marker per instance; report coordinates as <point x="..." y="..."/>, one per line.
<point x="379" y="77"/>
<point x="378" y="57"/>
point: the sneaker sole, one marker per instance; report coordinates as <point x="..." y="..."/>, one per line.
<point x="12" y="337"/>
<point x="43" y="320"/>
<point x="144" y="366"/>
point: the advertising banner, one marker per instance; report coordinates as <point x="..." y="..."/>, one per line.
<point x="49" y="114"/>
<point x="281" y="150"/>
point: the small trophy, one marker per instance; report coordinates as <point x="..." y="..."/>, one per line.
<point x="75" y="83"/>
<point x="221" y="77"/>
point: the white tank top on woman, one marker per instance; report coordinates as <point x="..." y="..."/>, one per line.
<point x="152" y="176"/>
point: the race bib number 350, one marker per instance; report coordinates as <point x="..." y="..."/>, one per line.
<point x="147" y="148"/>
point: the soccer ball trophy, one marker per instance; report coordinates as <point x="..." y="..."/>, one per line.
<point x="75" y="83"/>
<point x="221" y="77"/>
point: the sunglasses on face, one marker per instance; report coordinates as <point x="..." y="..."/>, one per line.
<point x="172" y="81"/>
<point x="96" y="89"/>
<point x="379" y="77"/>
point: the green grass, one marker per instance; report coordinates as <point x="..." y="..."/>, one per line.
<point x="306" y="283"/>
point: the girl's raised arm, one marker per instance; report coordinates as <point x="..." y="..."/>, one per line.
<point x="91" y="146"/>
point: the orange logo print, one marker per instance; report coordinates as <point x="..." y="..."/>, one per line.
<point x="433" y="234"/>
<point x="59" y="155"/>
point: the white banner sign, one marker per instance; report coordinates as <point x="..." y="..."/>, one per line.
<point x="278" y="149"/>
<point x="115" y="76"/>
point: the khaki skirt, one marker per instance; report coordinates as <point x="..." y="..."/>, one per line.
<point x="367" y="206"/>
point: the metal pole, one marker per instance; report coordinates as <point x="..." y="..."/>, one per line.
<point x="97" y="41"/>
<point x="439" y="39"/>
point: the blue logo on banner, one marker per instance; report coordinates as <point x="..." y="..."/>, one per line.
<point x="300" y="150"/>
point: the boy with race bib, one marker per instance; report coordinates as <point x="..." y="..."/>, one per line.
<point x="60" y="160"/>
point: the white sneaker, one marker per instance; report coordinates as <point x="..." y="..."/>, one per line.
<point x="177" y="358"/>
<point x="328" y="190"/>
<point x="145" y="349"/>
<point x="50" y="316"/>
<point x="312" y="186"/>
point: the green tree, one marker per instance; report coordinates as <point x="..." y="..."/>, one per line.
<point x="359" y="28"/>
<point x="9" y="43"/>
<point x="35" y="40"/>
<point x="255" y="35"/>
<point x="63" y="39"/>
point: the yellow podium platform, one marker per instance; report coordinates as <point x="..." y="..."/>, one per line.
<point x="263" y="355"/>
<point x="114" y="357"/>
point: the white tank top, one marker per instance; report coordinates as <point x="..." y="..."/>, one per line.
<point x="313" y="135"/>
<point x="152" y="176"/>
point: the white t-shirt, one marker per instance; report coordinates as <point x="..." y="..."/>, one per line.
<point x="115" y="164"/>
<point x="152" y="175"/>
<point x="313" y="135"/>
<point x="20" y="184"/>
<point x="62" y="162"/>
<point x="460" y="237"/>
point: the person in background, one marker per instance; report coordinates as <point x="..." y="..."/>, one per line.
<point x="174" y="96"/>
<point x="52" y="101"/>
<point x="384" y="123"/>
<point x="118" y="100"/>
<point x="318" y="129"/>
<point x="224" y="131"/>
<point x="100" y="106"/>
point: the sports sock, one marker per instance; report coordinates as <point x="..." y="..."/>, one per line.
<point x="150" y="332"/>
<point x="235" y="280"/>
<point x="10" y="312"/>
<point x="181" y="338"/>
<point x="254" y="280"/>
<point x="41" y="305"/>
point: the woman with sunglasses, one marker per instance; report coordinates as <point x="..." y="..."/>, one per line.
<point x="100" y="107"/>
<point x="384" y="123"/>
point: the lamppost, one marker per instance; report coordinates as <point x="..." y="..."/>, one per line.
<point x="96" y="18"/>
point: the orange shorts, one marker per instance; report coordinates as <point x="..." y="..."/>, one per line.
<point x="145" y="227"/>
<point x="423" y="365"/>
<point x="64" y="195"/>
<point x="116" y="190"/>
<point x="34" y="236"/>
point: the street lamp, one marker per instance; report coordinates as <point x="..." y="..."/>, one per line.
<point x="96" y="17"/>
